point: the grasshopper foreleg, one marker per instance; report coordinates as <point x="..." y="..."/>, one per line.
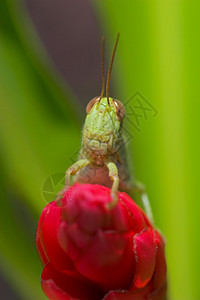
<point x="113" y="173"/>
<point x="78" y="165"/>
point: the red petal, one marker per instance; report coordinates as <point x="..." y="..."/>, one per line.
<point x="80" y="238"/>
<point x="109" y="260"/>
<point x="145" y="256"/>
<point x="67" y="244"/>
<point x="70" y="209"/>
<point x="57" y="256"/>
<point x="91" y="216"/>
<point x="159" y="279"/>
<point x="123" y="295"/>
<point x="159" y="294"/>
<point x="133" y="213"/>
<point x="138" y="294"/>
<point x="59" y="286"/>
<point x="39" y="242"/>
<point x="95" y="215"/>
<point x="147" y="221"/>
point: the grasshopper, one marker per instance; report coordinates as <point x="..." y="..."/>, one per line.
<point x="103" y="155"/>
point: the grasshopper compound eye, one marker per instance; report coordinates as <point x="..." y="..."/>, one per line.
<point x="119" y="108"/>
<point x="91" y="104"/>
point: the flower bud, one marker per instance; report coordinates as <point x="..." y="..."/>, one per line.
<point x="92" y="253"/>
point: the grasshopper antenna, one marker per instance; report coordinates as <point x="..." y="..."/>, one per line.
<point x="110" y="69"/>
<point x="102" y="66"/>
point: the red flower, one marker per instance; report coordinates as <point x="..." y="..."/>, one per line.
<point x="92" y="253"/>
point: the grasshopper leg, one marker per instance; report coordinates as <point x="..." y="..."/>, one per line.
<point x="113" y="173"/>
<point x="139" y="188"/>
<point x="78" y="165"/>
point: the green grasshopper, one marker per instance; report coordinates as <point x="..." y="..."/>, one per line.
<point x="103" y="155"/>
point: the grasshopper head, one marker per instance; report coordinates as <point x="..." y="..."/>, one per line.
<point x="102" y="129"/>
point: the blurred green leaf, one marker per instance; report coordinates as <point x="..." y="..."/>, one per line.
<point x="38" y="125"/>
<point x="18" y="258"/>
<point x="39" y="132"/>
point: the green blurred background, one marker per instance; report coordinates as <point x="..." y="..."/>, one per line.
<point x="50" y="68"/>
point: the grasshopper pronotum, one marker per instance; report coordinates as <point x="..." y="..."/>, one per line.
<point x="103" y="154"/>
